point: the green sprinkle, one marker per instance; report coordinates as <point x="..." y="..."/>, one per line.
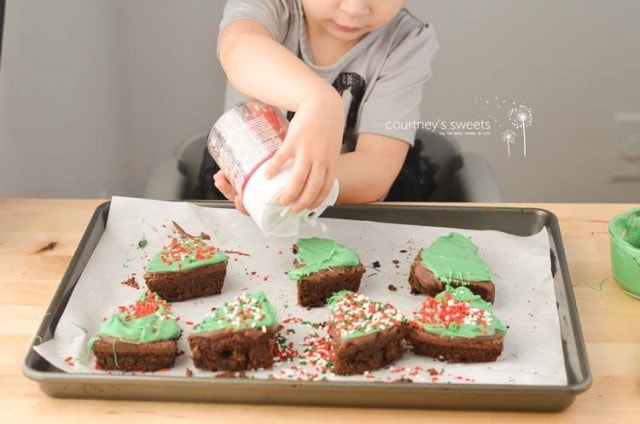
<point x="84" y="330"/>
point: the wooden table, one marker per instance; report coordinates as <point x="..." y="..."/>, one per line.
<point x="31" y="273"/>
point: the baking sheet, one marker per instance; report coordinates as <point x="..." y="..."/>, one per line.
<point x="525" y="294"/>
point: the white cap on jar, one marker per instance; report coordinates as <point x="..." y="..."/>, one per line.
<point x="261" y="199"/>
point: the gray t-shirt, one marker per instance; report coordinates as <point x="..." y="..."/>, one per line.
<point x="380" y="78"/>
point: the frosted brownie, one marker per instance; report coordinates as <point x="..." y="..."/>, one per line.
<point x="185" y="269"/>
<point x="365" y="335"/>
<point x="451" y="260"/>
<point x="323" y="267"/>
<point x="238" y="336"/>
<point x="457" y="326"/>
<point x="140" y="337"/>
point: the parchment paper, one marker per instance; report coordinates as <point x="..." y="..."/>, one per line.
<point x="525" y="296"/>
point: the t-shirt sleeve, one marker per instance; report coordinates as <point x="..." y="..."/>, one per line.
<point x="273" y="14"/>
<point x="393" y="106"/>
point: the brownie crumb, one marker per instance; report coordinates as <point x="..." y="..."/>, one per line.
<point x="131" y="282"/>
<point x="236" y="252"/>
<point x="433" y="371"/>
<point x="231" y="374"/>
<point x="376" y="264"/>
<point x="189" y="373"/>
<point x="184" y="234"/>
<point x="403" y="380"/>
<point x="391" y="287"/>
<point x="403" y="250"/>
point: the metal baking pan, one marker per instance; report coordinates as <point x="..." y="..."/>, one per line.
<point x="517" y="221"/>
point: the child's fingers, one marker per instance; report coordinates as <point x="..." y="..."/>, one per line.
<point x="311" y="190"/>
<point x="299" y="175"/>
<point x="324" y="192"/>
<point x="239" y="205"/>
<point x="277" y="161"/>
<point x="222" y="183"/>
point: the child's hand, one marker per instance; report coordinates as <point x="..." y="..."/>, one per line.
<point x="313" y="141"/>
<point x="223" y="184"/>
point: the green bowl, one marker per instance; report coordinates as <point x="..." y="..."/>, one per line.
<point x="625" y="257"/>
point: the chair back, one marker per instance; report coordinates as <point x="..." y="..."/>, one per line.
<point x="189" y="155"/>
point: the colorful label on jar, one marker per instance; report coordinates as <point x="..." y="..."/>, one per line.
<point x="244" y="138"/>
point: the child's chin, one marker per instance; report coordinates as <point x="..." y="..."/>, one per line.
<point x="348" y="36"/>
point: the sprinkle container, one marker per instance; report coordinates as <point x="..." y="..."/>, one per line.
<point x="242" y="142"/>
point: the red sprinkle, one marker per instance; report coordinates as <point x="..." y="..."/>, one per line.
<point x="191" y="249"/>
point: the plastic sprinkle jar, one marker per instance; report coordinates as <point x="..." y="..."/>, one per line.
<point x="242" y="141"/>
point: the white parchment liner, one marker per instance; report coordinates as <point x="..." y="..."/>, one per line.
<point x="525" y="296"/>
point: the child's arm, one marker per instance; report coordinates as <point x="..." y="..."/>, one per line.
<point x="260" y="67"/>
<point x="366" y="174"/>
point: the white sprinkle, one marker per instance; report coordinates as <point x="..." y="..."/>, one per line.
<point x="285" y="211"/>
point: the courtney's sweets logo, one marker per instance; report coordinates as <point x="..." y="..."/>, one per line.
<point x="499" y="119"/>
<point x="444" y="127"/>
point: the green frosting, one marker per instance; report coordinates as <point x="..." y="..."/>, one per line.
<point x="316" y="254"/>
<point x="337" y="297"/>
<point x="245" y="312"/>
<point x="454" y="258"/>
<point x="624" y="238"/>
<point x="185" y="253"/>
<point x="632" y="228"/>
<point x="457" y="312"/>
<point x="147" y="320"/>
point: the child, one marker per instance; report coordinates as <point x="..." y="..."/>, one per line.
<point x="350" y="71"/>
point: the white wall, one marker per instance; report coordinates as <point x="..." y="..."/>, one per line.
<point x="60" y="90"/>
<point x="174" y="83"/>
<point x="93" y="92"/>
<point x="575" y="63"/>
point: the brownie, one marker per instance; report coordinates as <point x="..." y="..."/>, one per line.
<point x="323" y="267"/>
<point x="186" y="269"/>
<point x="239" y="336"/>
<point x="365" y="335"/>
<point x="140" y="337"/>
<point x="457" y="326"/>
<point x="233" y="351"/>
<point x="114" y="354"/>
<point x="422" y="281"/>
<point x="451" y="349"/>
<point x="451" y="260"/>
